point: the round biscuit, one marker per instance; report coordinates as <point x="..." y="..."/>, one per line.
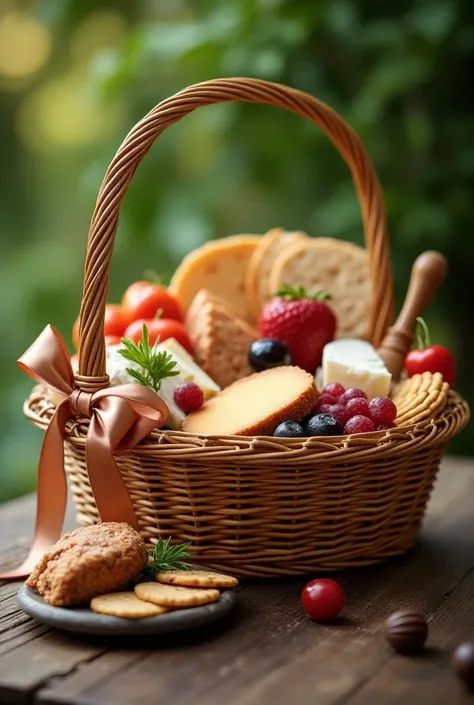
<point x="125" y="604"/>
<point x="341" y="269"/>
<point x="197" y="578"/>
<point x="175" y="596"/>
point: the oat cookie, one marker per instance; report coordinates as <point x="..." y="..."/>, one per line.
<point x="197" y="578"/>
<point x="219" y="266"/>
<point x="341" y="269"/>
<point x="175" y="596"/>
<point x="125" y="604"/>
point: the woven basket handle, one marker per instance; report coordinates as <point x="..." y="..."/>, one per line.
<point x="104" y="222"/>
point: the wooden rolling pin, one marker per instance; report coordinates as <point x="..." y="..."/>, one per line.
<point x="428" y="272"/>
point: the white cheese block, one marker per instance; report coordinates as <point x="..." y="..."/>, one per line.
<point x="355" y="363"/>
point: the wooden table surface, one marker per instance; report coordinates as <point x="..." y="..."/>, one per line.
<point x="268" y="652"/>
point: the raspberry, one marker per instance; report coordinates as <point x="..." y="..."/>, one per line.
<point x="358" y="407"/>
<point x="352" y="393"/>
<point x="359" y="424"/>
<point x="382" y="410"/>
<point x="188" y="396"/>
<point x="384" y="426"/>
<point x="327" y="399"/>
<point x="339" y="412"/>
<point x="334" y="389"/>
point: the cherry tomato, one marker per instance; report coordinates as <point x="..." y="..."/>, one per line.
<point x="115" y="323"/>
<point x="164" y="328"/>
<point x="144" y="299"/>
<point x="323" y="599"/>
<point x="430" y="358"/>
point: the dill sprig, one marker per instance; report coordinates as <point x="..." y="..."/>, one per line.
<point x="165" y="557"/>
<point x="156" y="364"/>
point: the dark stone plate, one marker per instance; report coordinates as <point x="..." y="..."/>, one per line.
<point x="82" y="620"/>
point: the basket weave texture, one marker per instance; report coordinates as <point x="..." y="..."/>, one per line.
<point x="259" y="506"/>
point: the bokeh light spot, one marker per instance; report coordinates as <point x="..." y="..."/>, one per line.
<point x="99" y="30"/>
<point x="25" y="45"/>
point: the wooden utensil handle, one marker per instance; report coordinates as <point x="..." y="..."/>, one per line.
<point x="428" y="272"/>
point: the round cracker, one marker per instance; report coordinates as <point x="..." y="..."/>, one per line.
<point x="260" y="266"/>
<point x="197" y="578"/>
<point x="175" y="596"/>
<point x="125" y="604"/>
<point x="420" y="397"/>
<point x="341" y="269"/>
<point x="220" y="266"/>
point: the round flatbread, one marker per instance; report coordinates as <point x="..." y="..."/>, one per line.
<point x="125" y="604"/>
<point x="220" y="266"/>
<point x="341" y="269"/>
<point x="260" y="266"/>
<point x="197" y="578"/>
<point x="174" y="596"/>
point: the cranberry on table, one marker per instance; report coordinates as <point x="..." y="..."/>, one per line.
<point x="323" y="599"/>
<point x="359" y="424"/>
<point x="463" y="663"/>
<point x="352" y="393"/>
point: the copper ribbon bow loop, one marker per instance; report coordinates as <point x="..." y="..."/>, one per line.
<point x="121" y="416"/>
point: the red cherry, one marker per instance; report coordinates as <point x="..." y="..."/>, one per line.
<point x="323" y="599"/>
<point x="334" y="389"/>
<point x="382" y="410"/>
<point x="352" y="393"/>
<point x="359" y="424"/>
<point x="339" y="412"/>
<point x="357" y="407"/>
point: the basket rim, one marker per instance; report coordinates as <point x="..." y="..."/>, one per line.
<point x="400" y="440"/>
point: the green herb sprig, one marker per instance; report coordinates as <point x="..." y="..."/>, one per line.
<point x="165" y="557"/>
<point x="156" y="364"/>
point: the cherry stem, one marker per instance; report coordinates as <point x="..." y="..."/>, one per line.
<point x="422" y="334"/>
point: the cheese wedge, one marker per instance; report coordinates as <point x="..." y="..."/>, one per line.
<point x="355" y="363"/>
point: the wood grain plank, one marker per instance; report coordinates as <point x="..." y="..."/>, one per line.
<point x="428" y="679"/>
<point x="270" y="653"/>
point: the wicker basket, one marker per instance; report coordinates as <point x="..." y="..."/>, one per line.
<point x="259" y="506"/>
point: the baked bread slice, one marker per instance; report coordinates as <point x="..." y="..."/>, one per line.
<point x="220" y="339"/>
<point x="341" y="269"/>
<point x="255" y="405"/>
<point x="219" y="266"/>
<point x="257" y="282"/>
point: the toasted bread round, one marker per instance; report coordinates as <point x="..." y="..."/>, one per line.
<point x="219" y="266"/>
<point x="340" y="268"/>
<point x="257" y="289"/>
<point x="255" y="405"/>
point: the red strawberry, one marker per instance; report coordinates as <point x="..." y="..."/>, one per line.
<point x="303" y="322"/>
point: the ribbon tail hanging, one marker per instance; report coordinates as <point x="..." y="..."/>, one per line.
<point x="51" y="495"/>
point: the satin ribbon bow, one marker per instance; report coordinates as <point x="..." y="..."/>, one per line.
<point x="120" y="417"/>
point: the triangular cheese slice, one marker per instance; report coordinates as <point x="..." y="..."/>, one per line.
<point x="221" y="340"/>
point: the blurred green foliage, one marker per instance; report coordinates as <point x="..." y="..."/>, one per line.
<point x="75" y="75"/>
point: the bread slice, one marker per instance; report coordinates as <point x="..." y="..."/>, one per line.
<point x="220" y="339"/>
<point x="255" y="405"/>
<point x="219" y="266"/>
<point x="257" y="288"/>
<point x="341" y="269"/>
